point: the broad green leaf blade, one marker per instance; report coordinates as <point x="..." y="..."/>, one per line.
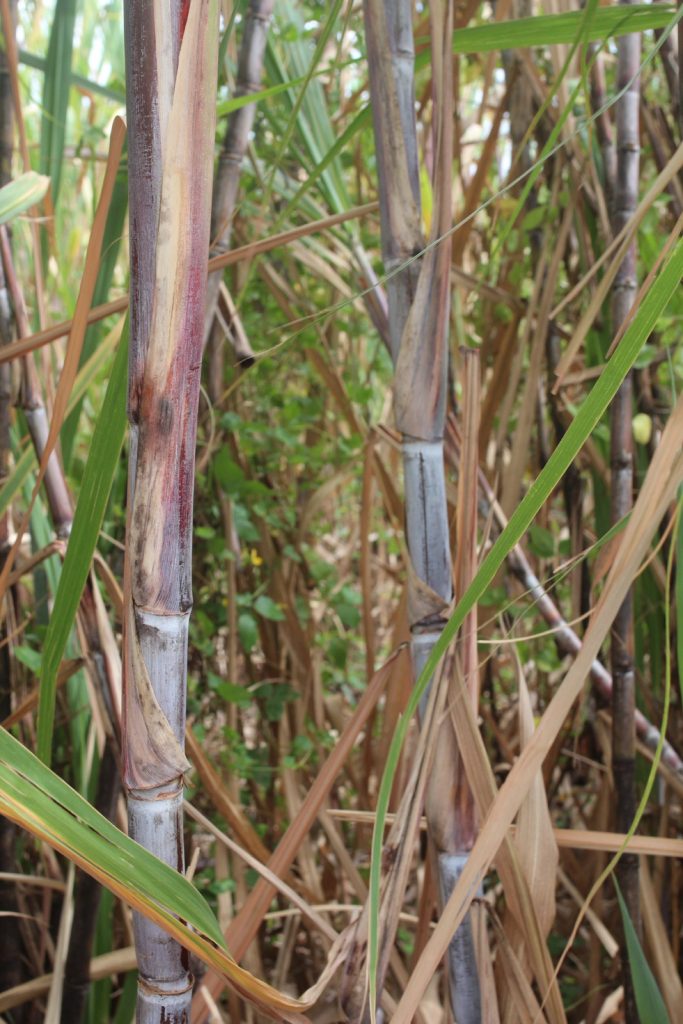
<point x="32" y="795"/>
<point x="35" y="798"/>
<point x="586" y="419"/>
<point x="551" y="29"/>
<point x="56" y="92"/>
<point x="22" y="193"/>
<point x="651" y="1006"/>
<point x="97" y="480"/>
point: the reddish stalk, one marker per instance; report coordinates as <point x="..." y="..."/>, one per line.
<point x="171" y="55"/>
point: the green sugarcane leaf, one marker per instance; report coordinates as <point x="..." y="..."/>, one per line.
<point x="97" y="480"/>
<point x="32" y="60"/>
<point x="125" y="1008"/>
<point x="309" y="109"/>
<point x="359" y="122"/>
<point x="305" y="93"/>
<point x="38" y="800"/>
<point x="22" y="193"/>
<point x="552" y="29"/>
<point x="33" y="796"/>
<point x="649" y="1000"/>
<point x="580" y="429"/>
<point x="56" y="88"/>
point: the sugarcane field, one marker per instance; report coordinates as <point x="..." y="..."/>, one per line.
<point x="341" y="512"/>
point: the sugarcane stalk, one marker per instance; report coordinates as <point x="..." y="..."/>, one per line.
<point x="603" y="126"/>
<point x="669" y="57"/>
<point x="623" y="673"/>
<point x="226" y="183"/>
<point x="171" y="60"/>
<point x="59" y="500"/>
<point x="418" y="307"/>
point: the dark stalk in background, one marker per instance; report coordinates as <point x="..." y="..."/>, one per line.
<point x="622" y="665"/>
<point x="603" y="128"/>
<point x="226" y="184"/>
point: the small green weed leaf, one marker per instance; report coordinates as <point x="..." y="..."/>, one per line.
<point x="534" y="218"/>
<point x="268" y="609"/>
<point x="27" y="656"/>
<point x="233" y="694"/>
<point x="228" y="473"/>
<point x="541" y="541"/>
<point x="248" y="631"/>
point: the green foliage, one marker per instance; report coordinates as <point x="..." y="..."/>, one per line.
<point x="57" y="83"/>
<point x="651" y="1006"/>
<point x="25" y="191"/>
<point x="58" y="814"/>
<point x="97" y="480"/>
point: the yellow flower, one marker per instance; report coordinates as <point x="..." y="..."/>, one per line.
<point x="255" y="558"/>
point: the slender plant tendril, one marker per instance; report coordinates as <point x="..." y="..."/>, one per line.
<point x="579" y="430"/>
<point x="653" y="770"/>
